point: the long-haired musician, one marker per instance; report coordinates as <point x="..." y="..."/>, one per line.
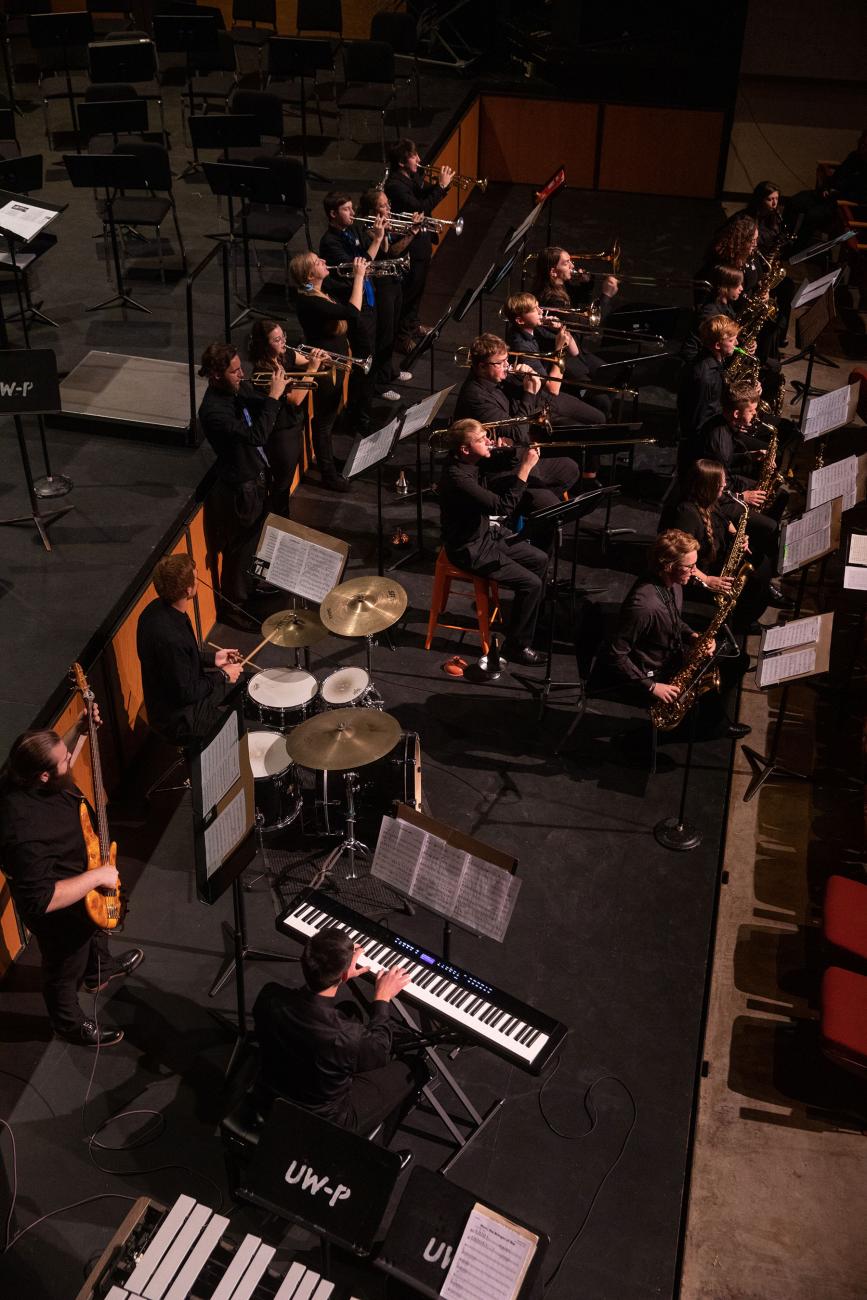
<point x="734" y="245"/>
<point x="267" y="352"/>
<point x="44" y="859"/>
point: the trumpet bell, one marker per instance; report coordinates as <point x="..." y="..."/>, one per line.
<point x="459" y="226"/>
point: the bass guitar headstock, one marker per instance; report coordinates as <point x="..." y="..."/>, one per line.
<point x="79" y="680"/>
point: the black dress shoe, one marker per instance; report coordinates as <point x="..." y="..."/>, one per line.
<point x="736" y="731"/>
<point x="522" y="654"/>
<point x="126" y="964"/>
<point x="88" y="1034"/>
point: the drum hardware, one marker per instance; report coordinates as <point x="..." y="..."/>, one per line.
<point x="399" y="537"/>
<point x="294" y="628"/>
<point x="277" y="790"/>
<point x="349" y="688"/>
<point x="401" y="487"/>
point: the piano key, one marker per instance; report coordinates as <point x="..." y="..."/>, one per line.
<point x="323" y="1291"/>
<point x="290" y="1282"/>
<point x="197" y="1258"/>
<point x="255" y="1272"/>
<point x="237" y="1267"/>
<point x="116" y="1293"/>
<point x="160" y="1242"/>
<point x="177" y="1253"/>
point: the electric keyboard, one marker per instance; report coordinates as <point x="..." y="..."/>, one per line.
<point x="183" y="1253"/>
<point x="496" y="1020"/>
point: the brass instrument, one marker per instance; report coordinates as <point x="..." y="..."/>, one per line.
<point x="610" y="255"/>
<point x="337" y="359"/>
<point x="437" y="224"/>
<point x="590" y="318"/>
<point x="432" y="173"/>
<point x="437" y="440"/>
<point x="298" y="379"/>
<point x="600" y="442"/>
<point x="692" y="683"/>
<point x="389" y="268"/>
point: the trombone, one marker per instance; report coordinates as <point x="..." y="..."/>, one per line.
<point x="579" y="318"/>
<point x="339" y="360"/>
<point x="610" y="255"/>
<point x="557" y="359"/>
<point x="386" y="269"/>
<point x="437" y="224"/>
<point x="437" y="440"/>
<point x="433" y="172"/>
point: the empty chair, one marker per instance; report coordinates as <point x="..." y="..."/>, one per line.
<point x="152" y="208"/>
<point x="278" y="221"/>
<point x="267" y="109"/>
<point x="110" y="15"/>
<point x="109" y="110"/>
<point x="9" y="147"/>
<point x="844" y="916"/>
<point x="290" y="61"/>
<point x="60" y="42"/>
<point x="368" y="68"/>
<point x="213" y="76"/>
<point x="844" y="1019"/>
<point x="322" y="18"/>
<point x="262" y="18"/>
<point x="130" y="58"/>
<point x="400" y="31"/>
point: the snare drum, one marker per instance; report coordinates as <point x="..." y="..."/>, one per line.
<point x="348" y="688"/>
<point x="277" y="791"/>
<point x="281" y="697"/>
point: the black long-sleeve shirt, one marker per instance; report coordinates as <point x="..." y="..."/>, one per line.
<point x="648" y="643"/>
<point x="482" y="400"/>
<point x="172" y="665"/>
<point x="237" y="426"/>
<point x="320" y="319"/>
<point x="407" y="193"/>
<point x="716" y="441"/>
<point x="466" y="505"/>
<point x="311" y="1050"/>
<point x="693" y="347"/>
<point x="686" y="516"/>
<point x="41" y="842"/>
<point x="699" y="395"/>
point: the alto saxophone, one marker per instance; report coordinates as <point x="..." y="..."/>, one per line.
<point x="733" y="560"/>
<point x="690" y="680"/>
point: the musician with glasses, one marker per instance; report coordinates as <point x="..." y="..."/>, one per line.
<point x="407" y="191"/>
<point x="319" y="1056"/>
<point x="528" y="335"/>
<point x="267" y="351"/>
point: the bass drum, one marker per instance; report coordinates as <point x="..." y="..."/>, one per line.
<point x="281" y="697"/>
<point x="396" y="778"/>
<point x="277" y="790"/>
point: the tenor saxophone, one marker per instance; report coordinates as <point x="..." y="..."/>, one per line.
<point x="733" y="560"/>
<point x="690" y="680"/>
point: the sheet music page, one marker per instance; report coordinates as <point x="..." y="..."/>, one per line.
<point x="269" y="543"/>
<point x="805" y="537"/>
<point x="304" y="567"/>
<point x="371" y="449"/>
<point x="220" y="766"/>
<point x="812" y="289"/>
<point x="840" y="479"/>
<point x="438" y="878"/>
<point x="491" y="1259"/>
<point x="487" y="898"/>
<point x="802" y="631"/>
<point x="398" y="849"/>
<point x="23" y="219"/>
<point x="858" y="548"/>
<point x="827" y="412"/>
<point x="225" y="832"/>
<point x="855" y="577"/>
<point x="420" y="415"/>
<point x="777" y="668"/>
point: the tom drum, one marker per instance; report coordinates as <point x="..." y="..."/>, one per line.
<point x="348" y="688"/>
<point x="281" y="697"/>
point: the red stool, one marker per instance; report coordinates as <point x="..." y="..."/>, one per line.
<point x="844" y="1019"/>
<point x="485" y="591"/>
<point x="844" y="918"/>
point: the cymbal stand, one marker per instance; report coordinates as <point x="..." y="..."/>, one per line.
<point x="375" y="700"/>
<point x="349" y="844"/>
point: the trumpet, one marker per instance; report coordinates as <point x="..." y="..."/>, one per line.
<point x="387" y="269"/>
<point x="432" y="173"/>
<point x="436" y="224"/>
<point x="338" y="360"/>
<point x="297" y="379"/>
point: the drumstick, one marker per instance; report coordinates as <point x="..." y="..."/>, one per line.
<point x="256" y="649"/>
<point x="256" y="667"/>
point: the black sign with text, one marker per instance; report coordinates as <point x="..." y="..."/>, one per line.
<point x="28" y="382"/>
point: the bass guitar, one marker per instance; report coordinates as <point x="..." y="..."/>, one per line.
<point x="105" y="907"/>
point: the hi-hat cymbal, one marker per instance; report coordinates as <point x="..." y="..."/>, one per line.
<point x="294" y="628"/>
<point x="363" y="606"/>
<point x="343" y="738"/>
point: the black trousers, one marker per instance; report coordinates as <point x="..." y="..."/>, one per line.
<point x="326" y="402"/>
<point x="71" y="950"/>
<point x="379" y="1095"/>
<point x="548" y="480"/>
<point x="413" y="288"/>
<point x="566" y="408"/>
<point x="283" y="450"/>
<point x="234" y="520"/>
<point x="389" y="301"/>
<point x="196" y="721"/>
<point x="520" y="566"/>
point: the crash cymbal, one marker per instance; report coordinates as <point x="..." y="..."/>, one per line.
<point x="363" y="606"/>
<point x="294" y="628"/>
<point x="343" y="738"/>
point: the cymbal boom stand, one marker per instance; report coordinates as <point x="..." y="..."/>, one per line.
<point x="348" y="845"/>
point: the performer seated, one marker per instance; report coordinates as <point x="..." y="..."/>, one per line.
<point x="766" y="209"/>
<point x="407" y="191"/>
<point x="237" y="421"/>
<point x="185" y="688"/>
<point x="467" y="502"/>
<point x="527" y="336"/>
<point x="340" y="244"/>
<point x="652" y="639"/>
<point x="484" y="396"/>
<point x="727" y="285"/>
<point x="734" y="245"/>
<point x="557" y="284"/>
<point x="696" y="508"/>
<point x="317" y="1056"/>
<point x="44" y="858"/>
<point x="815" y="212"/>
<point x="266" y="351"/>
<point x="389" y="291"/>
<point x="699" y="394"/>
<point x="330" y="324"/>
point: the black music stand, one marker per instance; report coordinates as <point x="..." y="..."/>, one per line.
<point x="224" y="131"/>
<point x="296" y="58"/>
<point x="111" y="117"/>
<point x="250" y="185"/>
<point x="23" y="175"/>
<point x="369" y="450"/>
<point x="109" y="172"/>
<point x="809" y="327"/>
<point x="64" y="32"/>
<point x="187" y="34"/>
<point x="30" y="384"/>
<point x="419" y="551"/>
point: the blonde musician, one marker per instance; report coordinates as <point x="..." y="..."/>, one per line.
<point x="43" y="855"/>
<point x="266" y="351"/>
<point x="528" y="337"/>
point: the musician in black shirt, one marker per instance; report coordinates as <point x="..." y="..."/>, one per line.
<point x="44" y="859"/>
<point x="185" y="688"/>
<point x="727" y="285"/>
<point x="317" y="1056"/>
<point x="339" y="246"/>
<point x="735" y="244"/>
<point x="407" y="191"/>
<point x="699" y="395"/>
<point x="557" y="283"/>
<point x="266" y="351"/>
<point x="527" y="336"/>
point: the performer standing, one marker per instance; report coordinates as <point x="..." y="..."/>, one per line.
<point x="389" y="291"/>
<point x="185" y="688"/>
<point x="467" y="502"/>
<point x="318" y="1057"/>
<point x="44" y="858"/>
<point x="266" y="352"/>
<point x="341" y="244"/>
<point x="407" y="192"/>
<point x="237" y="421"/>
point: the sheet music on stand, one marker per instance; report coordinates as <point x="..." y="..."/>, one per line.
<point x="830" y="411"/>
<point x="797" y="649"/>
<point x="492" y="1258"/>
<point x="221" y="781"/>
<point x="420" y="415"/>
<point x="839" y="479"/>
<point x="810" y="290"/>
<point x="855" y="572"/>
<point x="300" y="559"/>
<point x="451" y="874"/>
<point x="369" y="449"/>
<point x="815" y="534"/>
<point x="21" y="217"/>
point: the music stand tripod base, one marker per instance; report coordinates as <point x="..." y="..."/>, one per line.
<point x="52" y="485"/>
<point x="672" y="833"/>
<point x="764" y="767"/>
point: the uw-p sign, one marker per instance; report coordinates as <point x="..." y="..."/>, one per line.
<point x="28" y="382"/>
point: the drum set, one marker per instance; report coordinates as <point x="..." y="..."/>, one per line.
<point x="360" y="762"/>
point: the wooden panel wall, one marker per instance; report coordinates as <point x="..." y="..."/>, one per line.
<point x="660" y="151"/>
<point x="468" y="153"/>
<point x="523" y="141"/>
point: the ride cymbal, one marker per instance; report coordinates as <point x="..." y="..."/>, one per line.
<point x="294" y="628"/>
<point x="343" y="738"/>
<point x="363" y="606"/>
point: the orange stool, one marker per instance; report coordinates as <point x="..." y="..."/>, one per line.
<point x="486" y="593"/>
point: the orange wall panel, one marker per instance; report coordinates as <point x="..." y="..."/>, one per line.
<point x="660" y="151"/>
<point x="468" y="153"/>
<point x="449" y="156"/>
<point x="523" y="141"/>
